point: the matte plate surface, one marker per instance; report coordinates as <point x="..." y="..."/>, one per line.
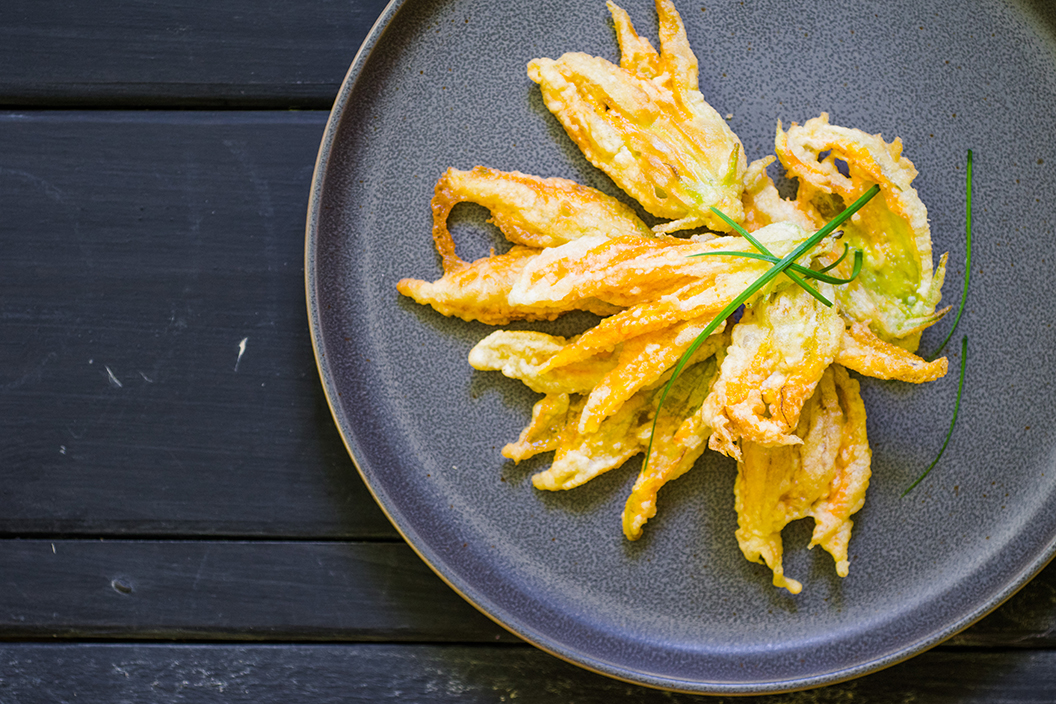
<point x="441" y="84"/>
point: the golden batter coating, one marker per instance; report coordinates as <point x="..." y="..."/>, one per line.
<point x="644" y="362"/>
<point x="781" y="347"/>
<point x="763" y="205"/>
<point x="543" y="433"/>
<point x="703" y="298"/>
<point x="625" y="271"/>
<point x="898" y="289"/>
<point x="771" y="389"/>
<point x="646" y="124"/>
<point x="853" y="467"/>
<point x="607" y="379"/>
<point x="637" y="55"/>
<point x="622" y="270"/>
<point x="825" y="476"/>
<point x="579" y="457"/>
<point x="532" y="211"/>
<point x="523" y="354"/>
<point x="480" y="291"/>
<point x="674" y="453"/>
<point x="867" y="354"/>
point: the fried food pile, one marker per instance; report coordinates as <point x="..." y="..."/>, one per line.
<point x="771" y="390"/>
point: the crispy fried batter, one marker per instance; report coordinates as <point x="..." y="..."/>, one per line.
<point x="523" y="355"/>
<point x="825" y="477"/>
<point x="637" y="55"/>
<point x="480" y="291"/>
<point x="621" y="271"/>
<point x="846" y="495"/>
<point x="867" y="354"/>
<point x="781" y="347"/>
<point x="608" y="379"/>
<point x="702" y="299"/>
<point x="647" y="126"/>
<point x="898" y="289"/>
<point x="770" y="390"/>
<point x="673" y="455"/>
<point x="543" y="433"/>
<point x="643" y="362"/>
<point x="581" y="454"/>
<point x="763" y="205"/>
<point x="625" y="271"/>
<point x="579" y="457"/>
<point x="529" y="210"/>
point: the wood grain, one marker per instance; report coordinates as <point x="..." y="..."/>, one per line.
<point x="427" y="674"/>
<point x="140" y="250"/>
<point x="226" y="590"/>
<point x="301" y="591"/>
<point x="133" y="53"/>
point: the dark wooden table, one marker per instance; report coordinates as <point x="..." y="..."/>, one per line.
<point x="179" y="518"/>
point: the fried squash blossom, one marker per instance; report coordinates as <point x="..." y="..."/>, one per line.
<point x="772" y="391"/>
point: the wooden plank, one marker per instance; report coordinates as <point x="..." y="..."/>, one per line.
<point x="140" y="249"/>
<point x="230" y="591"/>
<point x="1028" y="619"/>
<point x="427" y="674"/>
<point x="298" y="591"/>
<point x="245" y="53"/>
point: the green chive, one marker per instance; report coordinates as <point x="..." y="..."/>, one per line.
<point x="740" y="230"/>
<point x="855" y="270"/>
<point x="967" y="255"/>
<point x="759" y="245"/>
<point x="849" y="211"/>
<point x="956" y="409"/>
<point x="747" y="293"/>
<point x="799" y="269"/>
<point x="836" y="263"/>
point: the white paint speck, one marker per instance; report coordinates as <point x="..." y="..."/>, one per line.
<point x="114" y="381"/>
<point x="53" y="548"/>
<point x="146" y="378"/>
<point x="62" y="449"/>
<point x="241" y="351"/>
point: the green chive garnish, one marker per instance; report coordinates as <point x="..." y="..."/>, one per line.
<point x="956" y="409"/>
<point x="759" y="245"/>
<point x="836" y="263"/>
<point x="799" y="269"/>
<point x="967" y="255"/>
<point x="747" y="293"/>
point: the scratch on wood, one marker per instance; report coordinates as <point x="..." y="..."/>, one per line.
<point x="201" y="568"/>
<point x="114" y="381"/>
<point x="241" y="351"/>
<point x="33" y="375"/>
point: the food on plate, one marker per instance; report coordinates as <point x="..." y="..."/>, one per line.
<point x="824" y="476"/>
<point x="666" y="372"/>
<point x="898" y="289"/>
<point x="646" y="124"/>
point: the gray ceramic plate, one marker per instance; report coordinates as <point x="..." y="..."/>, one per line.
<point x="442" y="83"/>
